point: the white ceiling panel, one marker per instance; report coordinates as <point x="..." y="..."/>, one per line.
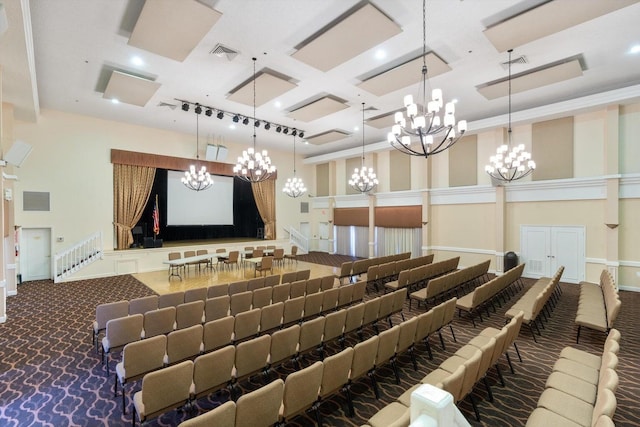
<point x="130" y="89"/>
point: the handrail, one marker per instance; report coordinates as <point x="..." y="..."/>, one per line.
<point x="298" y="239"/>
<point x="77" y="256"/>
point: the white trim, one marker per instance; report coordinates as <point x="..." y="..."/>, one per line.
<point x="11" y="266"/>
<point x="3" y="283"/>
<point x="557" y="189"/>
<point x="630" y="186"/>
<point x="320" y="203"/>
<point x="595" y="261"/>
<point x="351" y="201"/>
<point x="463" y="195"/>
<point x="462" y="250"/>
<point x="629" y="288"/>
<point x="399" y="198"/>
<point x="3" y="319"/>
<point x="635" y="264"/>
<point x="12" y="293"/>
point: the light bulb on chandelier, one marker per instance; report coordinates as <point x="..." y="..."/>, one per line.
<point x="511" y="165"/>
<point x="294" y="187"/>
<point x="253" y="165"/>
<point x="436" y="134"/>
<point x="363" y="179"/>
<point x="197" y="179"/>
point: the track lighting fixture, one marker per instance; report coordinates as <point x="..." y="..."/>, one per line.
<point x="245" y="121"/>
<point x="267" y="126"/>
<point x="236" y="118"/>
<point x="257" y="123"/>
<point x="220" y="115"/>
<point x="279" y="129"/>
<point x="185" y="106"/>
<point x="209" y="112"/>
<point x="301" y="134"/>
<point x="285" y="131"/>
<point x="294" y="133"/>
<point x="198" y="109"/>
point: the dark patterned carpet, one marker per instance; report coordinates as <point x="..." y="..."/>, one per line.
<point x="51" y="376"/>
<point x="326" y="259"/>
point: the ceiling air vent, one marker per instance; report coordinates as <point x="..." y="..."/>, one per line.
<point x="221" y="51"/>
<point x="515" y="61"/>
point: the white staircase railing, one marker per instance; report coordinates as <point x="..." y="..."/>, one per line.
<point x="78" y="256"/>
<point x="298" y="239"/>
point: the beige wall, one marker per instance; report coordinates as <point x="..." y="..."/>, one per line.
<point x="589" y="144"/>
<point x="463" y="226"/>
<point x="71" y="160"/>
<point x="630" y="138"/>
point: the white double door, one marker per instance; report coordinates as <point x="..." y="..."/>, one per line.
<point x="544" y="249"/>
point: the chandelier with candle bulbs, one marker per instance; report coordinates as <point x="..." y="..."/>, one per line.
<point x="434" y="128"/>
<point x="363" y="179"/>
<point x="294" y="187"/>
<point x="197" y="179"/>
<point x="510" y="162"/>
<point x="254" y="165"/>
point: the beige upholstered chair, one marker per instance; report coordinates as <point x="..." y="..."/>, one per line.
<point x="138" y="358"/>
<point x="218" y="333"/>
<point x="301" y="390"/>
<point x="293" y="256"/>
<point x="398" y="301"/>
<point x="424" y="329"/>
<point x="278" y="257"/>
<point x="288" y="277"/>
<point x="271" y="281"/>
<point x="184" y="344"/>
<point x="345" y="272"/>
<point x="271" y="317"/>
<point x="353" y="321"/>
<point x="330" y="299"/>
<point x="251" y="357"/>
<point x="247" y="325"/>
<point x="241" y="302"/>
<point x="265" y="265"/>
<point x="371" y="310"/>
<point x="345" y="294"/>
<point x="327" y="282"/>
<point x="303" y="274"/>
<point x="217" y="308"/>
<point x="197" y="294"/>
<point x="255" y="283"/>
<point x="261" y="297"/>
<point x="281" y="292"/>
<point x="190" y="254"/>
<point x="310" y="336"/>
<point x="106" y="312"/>
<point x="359" y="289"/>
<point x="174" y="270"/>
<point x="163" y="390"/>
<point x="144" y="304"/>
<point x="221" y="416"/>
<point x="298" y="288"/>
<point x="364" y="357"/>
<point x="232" y="260"/>
<point x="238" y="287"/>
<point x="213" y="371"/>
<point x="335" y="376"/>
<point x="386" y="307"/>
<point x="218" y="290"/>
<point x="120" y="332"/>
<point x="388" y="341"/>
<point x="172" y="299"/>
<point x="159" y="322"/>
<point x="189" y="314"/>
<point x="312" y="305"/>
<point x="333" y="326"/>
<point x="206" y="262"/>
<point x="284" y="345"/>
<point x="314" y="285"/>
<point x="406" y="339"/>
<point x="260" y="407"/>
<point x="293" y="310"/>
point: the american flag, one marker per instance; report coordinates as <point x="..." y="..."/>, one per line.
<point x="156" y="218"/>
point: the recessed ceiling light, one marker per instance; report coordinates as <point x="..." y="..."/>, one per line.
<point x="635" y="49"/>
<point x="114" y="101"/>
<point x="356" y="128"/>
<point x="454" y="100"/>
<point x="136" y="60"/>
<point x="277" y="104"/>
<point x="306" y="143"/>
<point x="232" y="126"/>
<point x="381" y="54"/>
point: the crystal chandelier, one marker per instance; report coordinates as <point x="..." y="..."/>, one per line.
<point x="364" y="179"/>
<point x="254" y="166"/>
<point x="436" y="134"/>
<point x="197" y="179"/>
<point x="509" y="166"/>
<point x="294" y="187"/>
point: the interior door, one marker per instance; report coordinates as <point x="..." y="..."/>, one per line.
<point x="323" y="232"/>
<point x="535" y="245"/>
<point x="567" y="249"/>
<point x="35" y="255"/>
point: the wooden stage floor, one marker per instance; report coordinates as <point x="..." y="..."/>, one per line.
<point x="161" y="283"/>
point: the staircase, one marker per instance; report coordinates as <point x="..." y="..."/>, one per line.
<point x="76" y="257"/>
<point x="296" y="238"/>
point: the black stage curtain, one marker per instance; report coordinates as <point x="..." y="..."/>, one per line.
<point x="246" y="218"/>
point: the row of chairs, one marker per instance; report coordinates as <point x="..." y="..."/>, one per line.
<point x="459" y="373"/>
<point x="249" y="318"/>
<point x="114" y="310"/>
<point x="539" y="296"/>
<point x="226" y="366"/>
<point x="599" y="304"/>
<point x="418" y="277"/>
<point x="484" y="295"/>
<point x="378" y="275"/>
<point x="309" y="387"/>
<point x="351" y="269"/>
<point x="451" y="282"/>
<point x="581" y="388"/>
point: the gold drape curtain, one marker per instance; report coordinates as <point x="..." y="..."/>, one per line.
<point x="265" y="195"/>
<point x="131" y="189"/>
